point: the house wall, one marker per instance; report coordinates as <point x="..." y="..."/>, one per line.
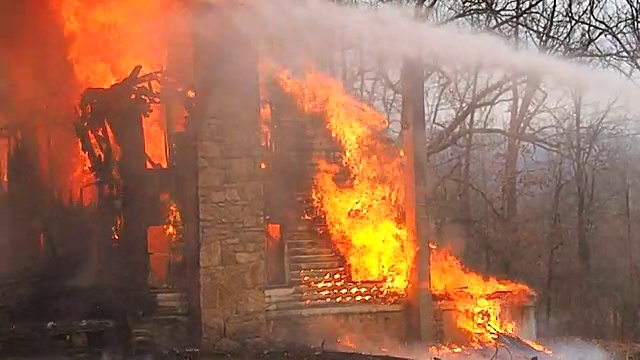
<point x="370" y="327"/>
<point x="365" y="327"/>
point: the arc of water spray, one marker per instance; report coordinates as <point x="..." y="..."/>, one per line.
<point x="389" y="34"/>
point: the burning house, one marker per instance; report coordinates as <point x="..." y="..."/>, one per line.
<point x="220" y="198"/>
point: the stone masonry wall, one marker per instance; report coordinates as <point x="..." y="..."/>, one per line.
<point x="232" y="237"/>
<point x="370" y="327"/>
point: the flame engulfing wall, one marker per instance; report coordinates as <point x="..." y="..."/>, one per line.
<point x="55" y="49"/>
<point x="107" y="39"/>
<point x="364" y="215"/>
<point x="41" y="83"/>
<point x="368" y="206"/>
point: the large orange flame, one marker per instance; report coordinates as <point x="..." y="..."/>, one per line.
<point x="36" y="91"/>
<point x="364" y="223"/>
<point x="106" y="40"/>
<point x="367" y="207"/>
<point x="480" y="303"/>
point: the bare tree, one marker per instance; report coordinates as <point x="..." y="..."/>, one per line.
<point x="519" y="168"/>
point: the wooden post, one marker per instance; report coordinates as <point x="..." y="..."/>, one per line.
<point x="414" y="140"/>
<point x="133" y="243"/>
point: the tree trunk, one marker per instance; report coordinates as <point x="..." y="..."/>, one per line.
<point x="518" y="123"/>
<point x="553" y="244"/>
<point x="584" y="252"/>
<point x="511" y="161"/>
<point x="466" y="213"/>
<point x="510" y="197"/>
<point x="465" y="195"/>
<point x="629" y="318"/>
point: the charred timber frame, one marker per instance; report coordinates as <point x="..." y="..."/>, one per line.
<point x="121" y="182"/>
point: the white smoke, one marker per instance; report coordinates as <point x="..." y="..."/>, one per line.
<point x="579" y="350"/>
<point x="301" y="27"/>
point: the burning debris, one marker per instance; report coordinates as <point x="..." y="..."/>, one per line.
<point x="478" y="301"/>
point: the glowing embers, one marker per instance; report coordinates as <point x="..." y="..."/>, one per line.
<point x="5" y="149"/>
<point x="165" y="245"/>
<point x="173" y="225"/>
<point x="275" y="255"/>
<point x="266" y="122"/>
<point x="334" y="287"/>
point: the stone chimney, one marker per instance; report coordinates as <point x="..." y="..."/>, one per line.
<point x="232" y="237"/>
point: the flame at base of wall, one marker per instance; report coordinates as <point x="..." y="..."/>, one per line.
<point x="364" y="222"/>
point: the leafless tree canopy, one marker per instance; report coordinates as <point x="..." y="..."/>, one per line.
<point x="537" y="186"/>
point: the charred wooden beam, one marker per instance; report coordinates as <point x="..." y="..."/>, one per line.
<point x="517" y="345"/>
<point x="111" y="118"/>
<point x="122" y="181"/>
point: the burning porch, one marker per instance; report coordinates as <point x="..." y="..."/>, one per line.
<point x="320" y="286"/>
<point x="333" y="176"/>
